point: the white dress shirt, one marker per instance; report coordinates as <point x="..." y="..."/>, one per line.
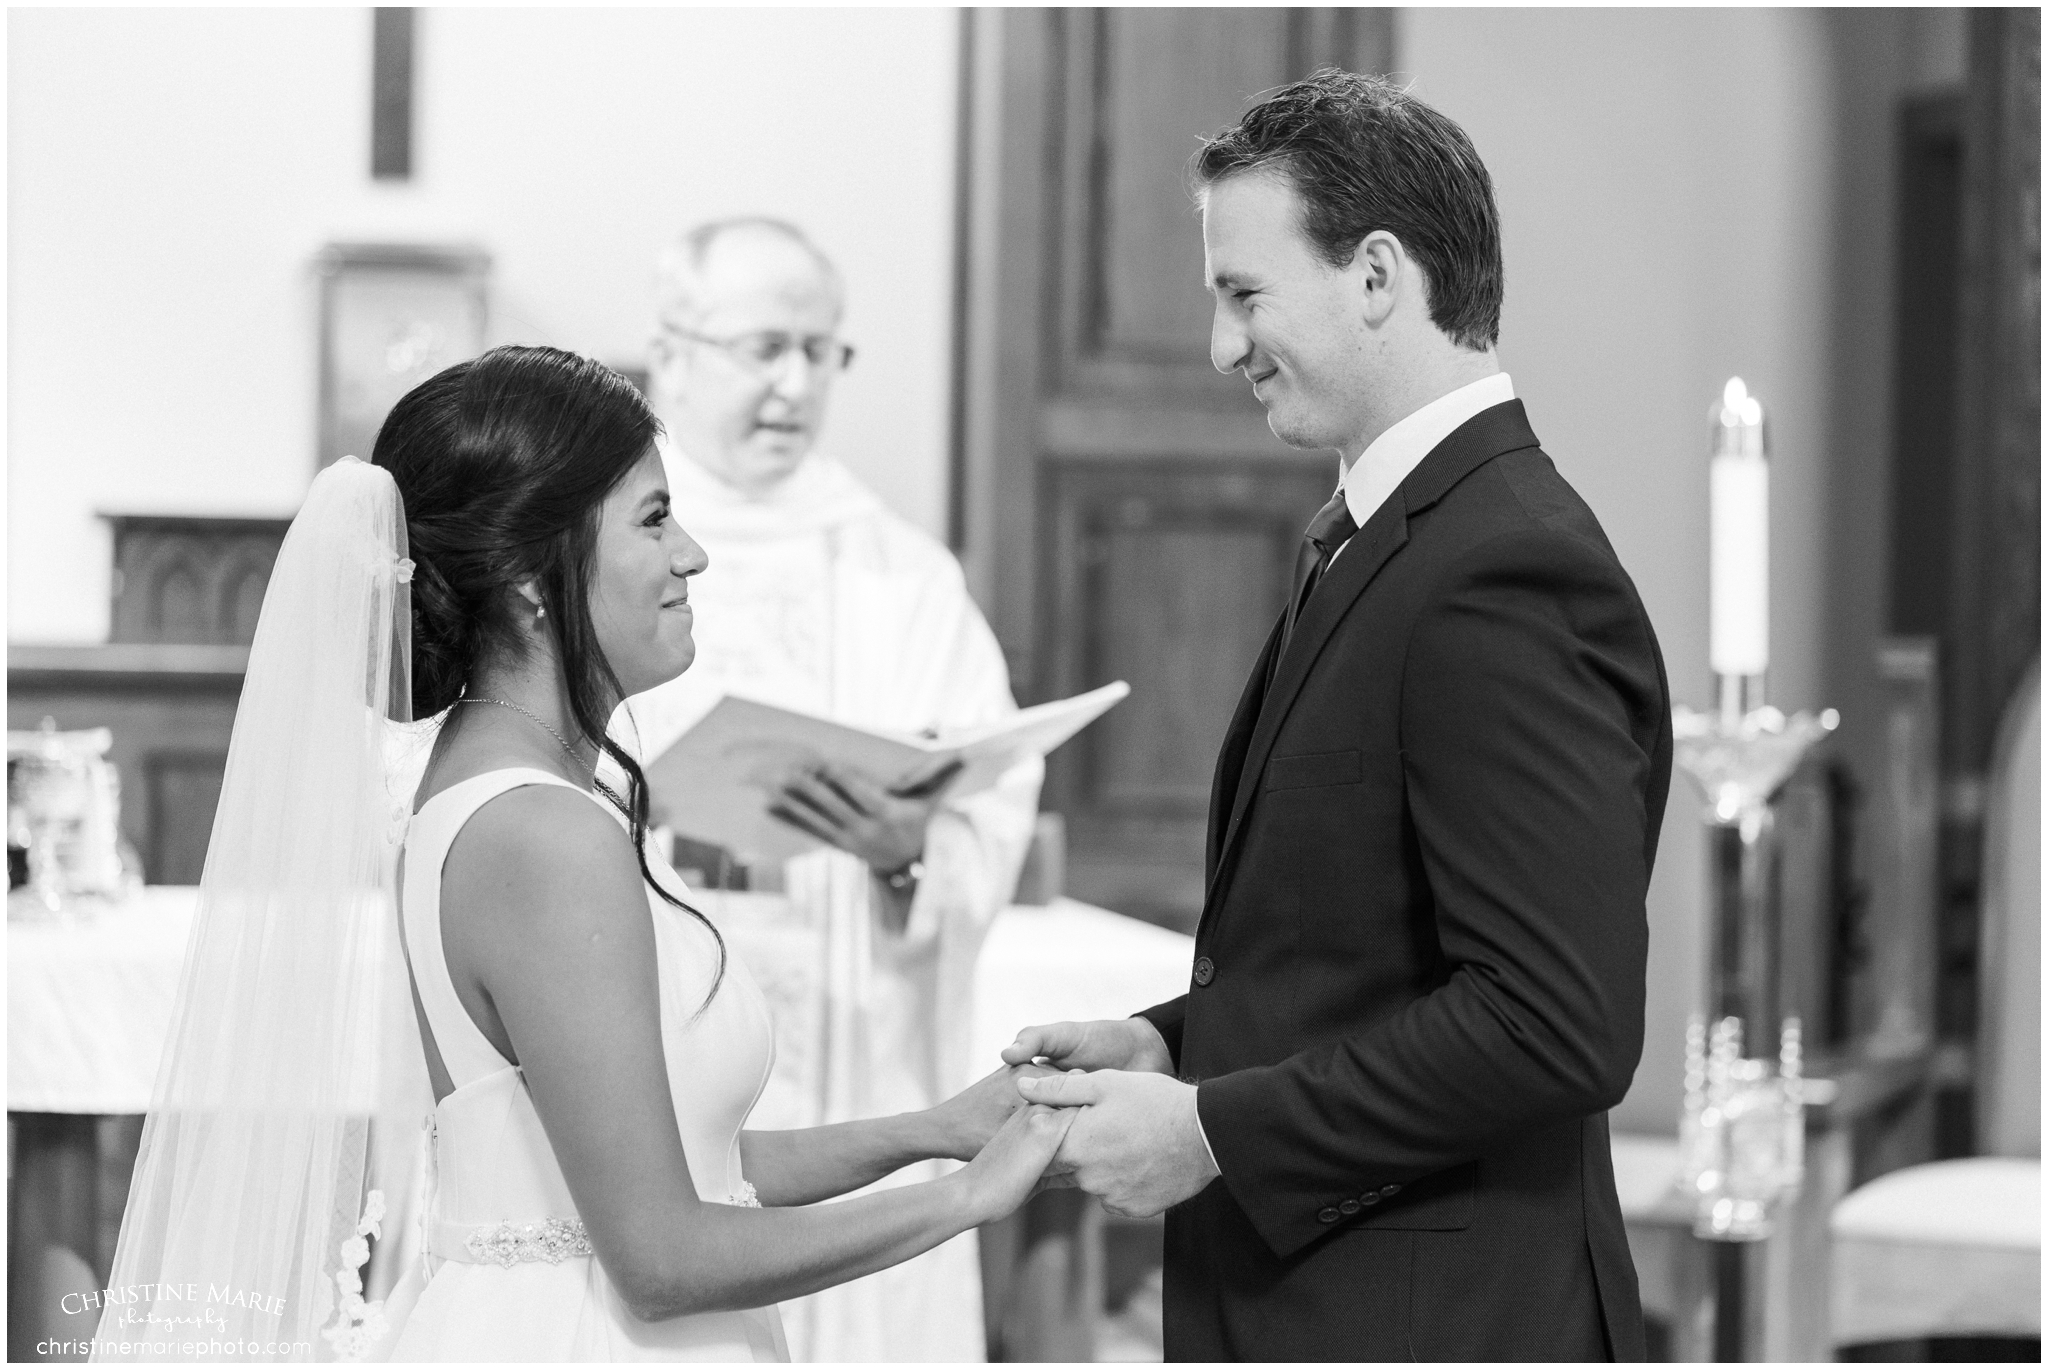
<point x="1382" y="467"/>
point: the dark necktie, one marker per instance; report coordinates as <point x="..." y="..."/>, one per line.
<point x="1327" y="531"/>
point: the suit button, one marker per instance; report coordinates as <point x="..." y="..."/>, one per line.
<point x="1328" y="1215"/>
<point x="1389" y="1191"/>
<point x="1205" y="970"/>
<point x="1368" y="1199"/>
<point x="1348" y="1207"/>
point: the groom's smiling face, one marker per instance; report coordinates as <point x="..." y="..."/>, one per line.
<point x="1284" y="316"/>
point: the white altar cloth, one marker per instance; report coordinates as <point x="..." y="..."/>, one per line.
<point x="89" y="1003"/>
<point x="1069" y="960"/>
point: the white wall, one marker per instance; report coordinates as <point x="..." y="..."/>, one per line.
<point x="171" y="172"/>
<point x="1664" y="182"/>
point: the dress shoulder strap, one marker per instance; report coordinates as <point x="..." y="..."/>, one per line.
<point x="465" y="1050"/>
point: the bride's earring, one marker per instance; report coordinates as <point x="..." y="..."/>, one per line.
<point x="540" y="612"/>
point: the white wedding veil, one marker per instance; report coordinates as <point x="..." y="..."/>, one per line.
<point x="293" y="1040"/>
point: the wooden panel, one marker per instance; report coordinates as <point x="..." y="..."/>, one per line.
<point x="1126" y="511"/>
<point x="1992" y="630"/>
<point x="194" y="580"/>
<point x="1180" y="603"/>
<point x="1135" y="92"/>
<point x="1924" y="361"/>
<point x="184" y="791"/>
<point x="1804" y="836"/>
<point x="1165" y="77"/>
<point x="1898" y="999"/>
<point x="1086" y="324"/>
<point x="1994" y="625"/>
<point x="1167" y="574"/>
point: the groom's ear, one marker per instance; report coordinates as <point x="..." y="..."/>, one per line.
<point x="1376" y="273"/>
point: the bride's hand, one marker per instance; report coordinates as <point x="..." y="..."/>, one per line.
<point x="1009" y="1168"/>
<point x="967" y="1121"/>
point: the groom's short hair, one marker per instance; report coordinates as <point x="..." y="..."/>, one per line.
<point x="1365" y="155"/>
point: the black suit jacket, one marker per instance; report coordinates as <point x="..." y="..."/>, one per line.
<point x="1418" y="983"/>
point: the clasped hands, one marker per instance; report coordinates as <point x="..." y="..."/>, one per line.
<point x="1133" y="1140"/>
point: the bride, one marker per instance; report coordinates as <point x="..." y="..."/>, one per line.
<point x="591" y="1045"/>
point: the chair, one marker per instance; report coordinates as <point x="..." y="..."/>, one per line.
<point x="1953" y="1248"/>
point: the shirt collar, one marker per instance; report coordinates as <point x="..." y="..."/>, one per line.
<point x="1382" y="467"/>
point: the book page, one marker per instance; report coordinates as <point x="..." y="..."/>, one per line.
<point x="716" y="783"/>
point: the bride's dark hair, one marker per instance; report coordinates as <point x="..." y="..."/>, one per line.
<point x="504" y="463"/>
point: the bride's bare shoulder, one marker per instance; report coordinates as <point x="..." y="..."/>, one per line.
<point x="546" y="853"/>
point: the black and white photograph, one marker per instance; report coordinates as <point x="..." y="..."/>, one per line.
<point x="1242" y="684"/>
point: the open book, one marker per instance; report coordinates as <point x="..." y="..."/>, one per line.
<point x="715" y="784"/>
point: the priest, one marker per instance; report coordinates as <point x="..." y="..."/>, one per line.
<point x="819" y="598"/>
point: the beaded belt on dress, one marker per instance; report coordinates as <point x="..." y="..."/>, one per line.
<point x="507" y="1244"/>
<point x="553" y="1240"/>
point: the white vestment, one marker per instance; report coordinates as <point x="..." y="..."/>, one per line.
<point x="819" y="598"/>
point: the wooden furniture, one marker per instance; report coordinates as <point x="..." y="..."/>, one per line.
<point x="187" y="593"/>
<point x="1990" y="630"/>
<point x="1122" y="509"/>
<point x="1953" y="1248"/>
<point x="1846" y="1096"/>
<point x="171" y="708"/>
<point x="188" y="579"/>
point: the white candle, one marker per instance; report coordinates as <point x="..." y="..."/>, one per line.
<point x="1739" y="508"/>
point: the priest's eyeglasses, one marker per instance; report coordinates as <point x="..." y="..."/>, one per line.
<point x="768" y="350"/>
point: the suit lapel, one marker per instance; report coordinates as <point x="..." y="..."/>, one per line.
<point x="1491" y="433"/>
<point x="1369" y="549"/>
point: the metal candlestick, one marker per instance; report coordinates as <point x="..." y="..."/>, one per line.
<point x="1743" y="1129"/>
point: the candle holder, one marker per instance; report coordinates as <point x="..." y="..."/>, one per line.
<point x="1743" y="1135"/>
<point x="1742" y="1132"/>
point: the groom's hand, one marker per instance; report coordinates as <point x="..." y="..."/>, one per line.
<point x="1105" y="1044"/>
<point x="1137" y="1144"/>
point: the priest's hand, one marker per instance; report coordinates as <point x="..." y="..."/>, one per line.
<point x="1137" y="1144"/>
<point x="884" y="828"/>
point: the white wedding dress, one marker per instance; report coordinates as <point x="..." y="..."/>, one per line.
<point x="507" y="1272"/>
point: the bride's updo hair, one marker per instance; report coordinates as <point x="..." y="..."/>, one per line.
<point x="504" y="464"/>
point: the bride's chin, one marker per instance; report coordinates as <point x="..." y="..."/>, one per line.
<point x="654" y="676"/>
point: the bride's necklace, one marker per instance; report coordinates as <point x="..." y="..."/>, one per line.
<point x="521" y="708"/>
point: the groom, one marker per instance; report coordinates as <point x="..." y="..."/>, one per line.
<point x="1418" y="977"/>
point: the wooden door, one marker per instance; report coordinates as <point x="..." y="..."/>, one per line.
<point x="1123" y="509"/>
